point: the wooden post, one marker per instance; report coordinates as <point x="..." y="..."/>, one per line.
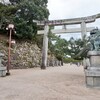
<point x="60" y="63"/>
<point x="83" y="29"/>
<point x="9" y="54"/>
<point x="47" y="63"/>
<point x="57" y="63"/>
<point x="45" y="47"/>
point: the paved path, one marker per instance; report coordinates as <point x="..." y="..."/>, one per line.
<point x="54" y="83"/>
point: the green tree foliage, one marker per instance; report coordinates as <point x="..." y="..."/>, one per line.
<point x="57" y="46"/>
<point x="22" y="13"/>
<point x="66" y="50"/>
<point x="75" y="46"/>
<point x="84" y="47"/>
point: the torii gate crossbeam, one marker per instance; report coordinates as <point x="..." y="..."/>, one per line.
<point x="71" y="30"/>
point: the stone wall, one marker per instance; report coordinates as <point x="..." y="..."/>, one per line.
<point x="23" y="54"/>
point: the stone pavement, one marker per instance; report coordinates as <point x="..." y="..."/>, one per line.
<point x="54" y="83"/>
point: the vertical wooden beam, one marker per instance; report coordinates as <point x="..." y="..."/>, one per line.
<point x="53" y="63"/>
<point x="45" y="47"/>
<point x="83" y="29"/>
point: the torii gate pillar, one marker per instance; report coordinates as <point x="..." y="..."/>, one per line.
<point x="83" y="29"/>
<point x="45" y="47"/>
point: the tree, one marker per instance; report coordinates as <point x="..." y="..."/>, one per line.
<point x="75" y="46"/>
<point x="58" y="46"/>
<point x="66" y="50"/>
<point x="22" y="13"/>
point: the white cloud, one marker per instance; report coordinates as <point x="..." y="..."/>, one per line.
<point x="60" y="9"/>
<point x="72" y="8"/>
<point x="63" y="9"/>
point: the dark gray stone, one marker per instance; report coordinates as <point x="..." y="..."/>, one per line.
<point x="93" y="81"/>
<point x="89" y="81"/>
<point x="2" y="68"/>
<point x="92" y="72"/>
<point x="2" y="71"/>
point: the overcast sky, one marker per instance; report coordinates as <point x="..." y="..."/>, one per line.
<point x="63" y="9"/>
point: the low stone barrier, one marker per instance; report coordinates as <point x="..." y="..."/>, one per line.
<point x="54" y="63"/>
<point x="2" y="68"/>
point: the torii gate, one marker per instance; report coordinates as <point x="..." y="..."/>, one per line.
<point x="82" y="21"/>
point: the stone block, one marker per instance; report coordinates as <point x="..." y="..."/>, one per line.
<point x="93" y="81"/>
<point x="93" y="68"/>
<point x="93" y="53"/>
<point x="95" y="61"/>
<point x="2" y="71"/>
<point x="96" y="81"/>
<point x="92" y="78"/>
<point x="92" y="73"/>
<point x="89" y="81"/>
<point x="94" y="57"/>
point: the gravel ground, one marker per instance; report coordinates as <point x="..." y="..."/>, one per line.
<point x="54" y="83"/>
